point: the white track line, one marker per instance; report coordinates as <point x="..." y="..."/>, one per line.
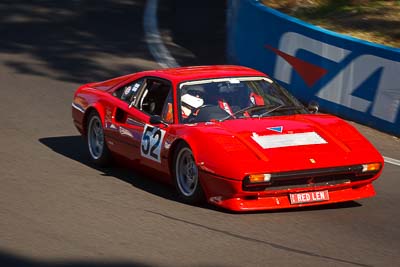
<point x="162" y="54"/>
<point x="392" y="161"/>
<point x="153" y="38"/>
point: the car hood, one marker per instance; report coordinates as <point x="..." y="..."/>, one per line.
<point x="286" y="143"/>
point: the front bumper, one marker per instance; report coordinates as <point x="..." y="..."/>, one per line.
<point x="228" y="194"/>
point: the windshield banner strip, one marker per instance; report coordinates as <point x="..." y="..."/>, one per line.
<point x="231" y="80"/>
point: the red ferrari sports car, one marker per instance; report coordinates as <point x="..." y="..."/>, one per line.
<point x="229" y="135"/>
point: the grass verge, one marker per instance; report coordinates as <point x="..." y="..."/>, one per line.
<point x="376" y="21"/>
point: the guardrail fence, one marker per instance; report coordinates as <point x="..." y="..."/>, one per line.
<point x="354" y="79"/>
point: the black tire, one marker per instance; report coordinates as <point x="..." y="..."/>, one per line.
<point x="96" y="145"/>
<point x="186" y="176"/>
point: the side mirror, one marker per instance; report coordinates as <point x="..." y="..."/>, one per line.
<point x="313" y="107"/>
<point x="156" y="119"/>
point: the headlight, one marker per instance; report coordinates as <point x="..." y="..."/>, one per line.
<point x="260" y="178"/>
<point x="371" y="167"/>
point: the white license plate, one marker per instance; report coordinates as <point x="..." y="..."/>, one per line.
<point x="308" y="197"/>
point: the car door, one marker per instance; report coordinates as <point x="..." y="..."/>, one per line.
<point x="155" y="100"/>
<point x="135" y="137"/>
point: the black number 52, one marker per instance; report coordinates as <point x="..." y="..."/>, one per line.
<point x="151" y="142"/>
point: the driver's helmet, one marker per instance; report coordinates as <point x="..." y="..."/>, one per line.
<point x="192" y="98"/>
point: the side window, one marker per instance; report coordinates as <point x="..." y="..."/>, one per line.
<point x="154" y="97"/>
<point x="128" y="92"/>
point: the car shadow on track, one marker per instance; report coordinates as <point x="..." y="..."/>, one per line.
<point x="342" y="205"/>
<point x="74" y="147"/>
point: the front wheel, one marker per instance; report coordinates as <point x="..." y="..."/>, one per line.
<point x="186" y="176"/>
<point x="97" y="147"/>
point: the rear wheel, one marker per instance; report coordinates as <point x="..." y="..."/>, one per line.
<point x="186" y="175"/>
<point x="97" y="147"/>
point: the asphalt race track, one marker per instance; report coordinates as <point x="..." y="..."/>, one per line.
<point x="57" y="209"/>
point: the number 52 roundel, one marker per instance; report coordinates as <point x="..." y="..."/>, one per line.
<point x="150" y="146"/>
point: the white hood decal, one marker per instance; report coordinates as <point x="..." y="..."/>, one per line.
<point x="287" y="140"/>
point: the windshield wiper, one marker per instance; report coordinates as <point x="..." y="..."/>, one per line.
<point x="233" y="115"/>
<point x="279" y="107"/>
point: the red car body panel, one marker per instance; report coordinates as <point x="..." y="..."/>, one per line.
<point x="225" y="152"/>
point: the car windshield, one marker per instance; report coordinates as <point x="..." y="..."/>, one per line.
<point x="235" y="98"/>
